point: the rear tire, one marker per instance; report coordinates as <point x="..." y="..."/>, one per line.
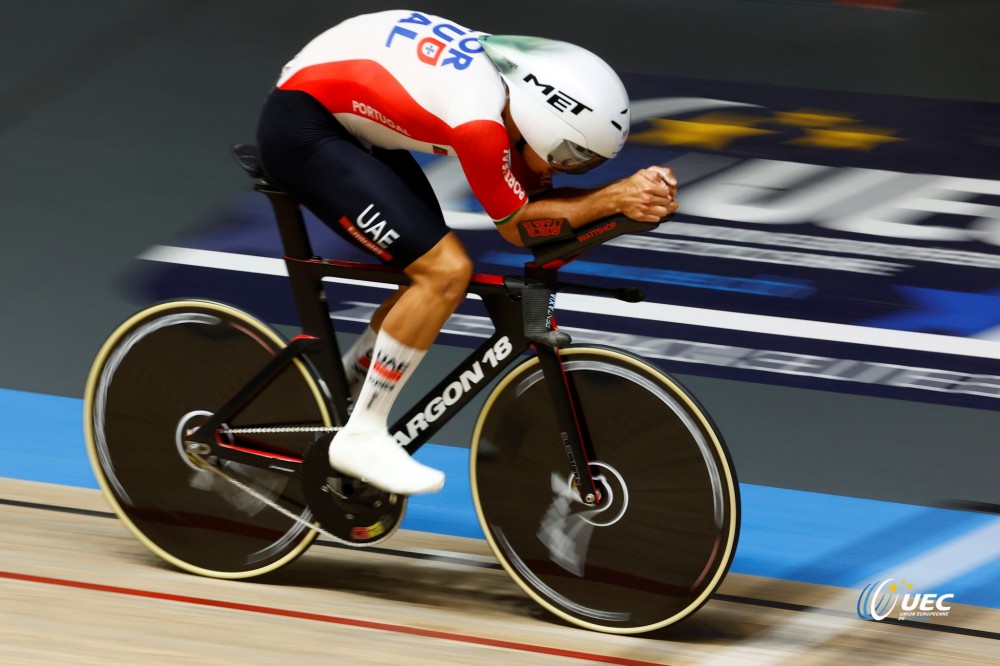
<point x="666" y="534"/>
<point x="163" y="372"/>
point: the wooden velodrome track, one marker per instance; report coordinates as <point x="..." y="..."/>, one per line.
<point x="77" y="588"/>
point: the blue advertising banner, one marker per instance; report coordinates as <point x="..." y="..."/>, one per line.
<point x="829" y="240"/>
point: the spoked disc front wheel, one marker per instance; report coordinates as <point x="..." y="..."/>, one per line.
<point x="663" y="536"/>
<point x="158" y="377"/>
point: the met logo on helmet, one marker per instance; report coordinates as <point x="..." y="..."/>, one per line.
<point x="559" y="100"/>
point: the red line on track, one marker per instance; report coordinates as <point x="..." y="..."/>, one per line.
<point x="330" y="619"/>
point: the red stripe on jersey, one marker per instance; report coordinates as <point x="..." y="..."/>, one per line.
<point x="366" y="89"/>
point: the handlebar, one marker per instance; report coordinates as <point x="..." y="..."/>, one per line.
<point x="567" y="244"/>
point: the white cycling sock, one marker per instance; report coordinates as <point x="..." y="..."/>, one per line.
<point x="392" y="363"/>
<point x="358" y="359"/>
<point x="364" y="448"/>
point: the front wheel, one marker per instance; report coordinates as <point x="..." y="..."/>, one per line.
<point x="662" y="538"/>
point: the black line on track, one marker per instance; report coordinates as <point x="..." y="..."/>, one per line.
<point x="747" y="601"/>
<point x="54" y="507"/>
<point x="328" y="544"/>
<point x="417" y="556"/>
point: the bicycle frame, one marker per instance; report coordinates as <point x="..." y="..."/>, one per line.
<point x="209" y="435"/>
<point x="318" y="344"/>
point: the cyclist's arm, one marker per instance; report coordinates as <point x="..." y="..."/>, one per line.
<point x="646" y="196"/>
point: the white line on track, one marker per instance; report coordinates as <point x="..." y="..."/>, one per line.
<point x="736" y="321"/>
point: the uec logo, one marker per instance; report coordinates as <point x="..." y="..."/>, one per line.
<point x="878" y="600"/>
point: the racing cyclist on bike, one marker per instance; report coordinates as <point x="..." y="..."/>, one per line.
<point x="336" y="134"/>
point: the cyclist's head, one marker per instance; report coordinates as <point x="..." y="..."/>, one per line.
<point x="568" y="104"/>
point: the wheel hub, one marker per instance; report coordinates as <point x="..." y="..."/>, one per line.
<point x="614" y="496"/>
<point x="190" y="452"/>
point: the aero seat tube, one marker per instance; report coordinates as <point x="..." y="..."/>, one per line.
<point x="310" y="296"/>
<point x="291" y="224"/>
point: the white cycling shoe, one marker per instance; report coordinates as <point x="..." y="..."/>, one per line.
<point x="376" y="458"/>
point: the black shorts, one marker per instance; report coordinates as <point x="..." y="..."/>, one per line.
<point x="378" y="199"/>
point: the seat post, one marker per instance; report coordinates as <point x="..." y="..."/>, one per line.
<point x="291" y="224"/>
<point x="309" y="295"/>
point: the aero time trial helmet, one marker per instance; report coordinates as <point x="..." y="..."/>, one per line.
<point x="568" y="104"/>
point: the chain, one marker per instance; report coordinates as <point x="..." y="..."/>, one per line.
<point x="260" y="430"/>
<point x="272" y="430"/>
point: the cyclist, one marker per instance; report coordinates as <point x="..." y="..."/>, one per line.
<point x="336" y="134"/>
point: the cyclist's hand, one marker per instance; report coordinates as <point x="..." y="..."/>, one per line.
<point x="649" y="194"/>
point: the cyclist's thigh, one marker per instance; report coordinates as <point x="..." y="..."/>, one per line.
<point x="379" y="200"/>
<point x="403" y="163"/>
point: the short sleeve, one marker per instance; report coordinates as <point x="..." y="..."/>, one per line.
<point x="483" y="149"/>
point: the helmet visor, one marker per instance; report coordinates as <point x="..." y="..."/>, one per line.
<point x="569" y="157"/>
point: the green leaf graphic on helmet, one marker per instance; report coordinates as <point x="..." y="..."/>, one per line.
<point x="569" y="105"/>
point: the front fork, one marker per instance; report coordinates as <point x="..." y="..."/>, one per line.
<point x="538" y="302"/>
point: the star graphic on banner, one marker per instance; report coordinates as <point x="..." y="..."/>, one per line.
<point x="812" y="129"/>
<point x="855" y="138"/>
<point x="833" y="131"/>
<point x="811" y="118"/>
<point x="714" y="131"/>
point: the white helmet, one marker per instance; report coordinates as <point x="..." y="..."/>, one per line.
<point x="568" y="104"/>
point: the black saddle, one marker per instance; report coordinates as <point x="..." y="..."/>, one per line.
<point x="246" y="155"/>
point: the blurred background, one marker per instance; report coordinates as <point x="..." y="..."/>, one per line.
<point x="839" y="171"/>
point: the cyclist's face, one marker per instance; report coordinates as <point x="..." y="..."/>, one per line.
<point x="536" y="163"/>
<point x="531" y="158"/>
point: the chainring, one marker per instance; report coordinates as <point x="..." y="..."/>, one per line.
<point x="350" y="510"/>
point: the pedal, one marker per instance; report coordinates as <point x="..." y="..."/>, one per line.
<point x="350" y="510"/>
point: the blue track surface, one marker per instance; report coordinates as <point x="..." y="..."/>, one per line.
<point x="786" y="534"/>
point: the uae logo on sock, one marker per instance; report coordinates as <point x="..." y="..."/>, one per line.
<point x="386" y="372"/>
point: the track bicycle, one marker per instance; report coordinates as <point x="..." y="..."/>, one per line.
<point x="600" y="483"/>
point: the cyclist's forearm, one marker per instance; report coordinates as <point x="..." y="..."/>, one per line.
<point x="648" y="195"/>
<point x="579" y="206"/>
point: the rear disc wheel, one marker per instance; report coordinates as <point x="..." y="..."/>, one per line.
<point x="157" y="378"/>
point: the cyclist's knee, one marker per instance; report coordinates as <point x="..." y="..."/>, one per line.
<point x="445" y="270"/>
<point x="458" y="270"/>
<point x="450" y="277"/>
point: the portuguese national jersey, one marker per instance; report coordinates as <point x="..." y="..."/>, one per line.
<point x="402" y="79"/>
